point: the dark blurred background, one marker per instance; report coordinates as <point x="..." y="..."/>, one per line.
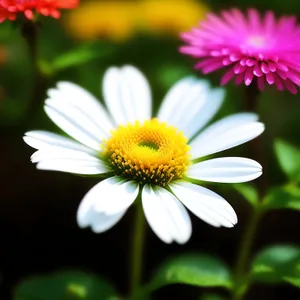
<point x="38" y="230"/>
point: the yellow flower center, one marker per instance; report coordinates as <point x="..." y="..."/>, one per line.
<point x="152" y="152"/>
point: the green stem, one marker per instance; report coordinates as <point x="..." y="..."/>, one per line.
<point x="255" y="147"/>
<point x="30" y="31"/>
<point x="137" y="250"/>
<point x="241" y="277"/>
<point x="240" y="274"/>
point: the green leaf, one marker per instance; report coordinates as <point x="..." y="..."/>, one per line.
<point x="275" y="263"/>
<point x="295" y="281"/>
<point x="283" y="197"/>
<point x="248" y="191"/>
<point x="66" y="285"/>
<point x="78" y="56"/>
<point x="194" y="269"/>
<point x="289" y="159"/>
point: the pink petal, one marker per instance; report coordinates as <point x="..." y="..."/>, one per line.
<point x="278" y="82"/>
<point x="290" y="86"/>
<point x="269" y="22"/>
<point x="270" y="78"/>
<point x="248" y="76"/>
<point x="265" y="67"/>
<point x="227" y="76"/>
<point x="282" y="66"/>
<point x="254" y="19"/>
<point x="294" y="77"/>
<point x="272" y="66"/>
<point x="257" y="70"/>
<point x="237" y="69"/>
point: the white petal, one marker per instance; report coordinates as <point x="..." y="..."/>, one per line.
<point x="190" y="104"/>
<point x="61" y="153"/>
<point x="99" y="222"/>
<point x="166" y="215"/>
<point x="112" y="195"/>
<point x="205" y="204"/>
<point x="106" y="203"/>
<point x="116" y="195"/>
<point x="127" y="95"/>
<point x="39" y="139"/>
<point x="78" y="113"/>
<point x="84" y="101"/>
<point x="75" y="166"/>
<point x="227" y="169"/>
<point x="74" y="123"/>
<point x="225" y="134"/>
<point x="58" y="153"/>
<point x="102" y="222"/>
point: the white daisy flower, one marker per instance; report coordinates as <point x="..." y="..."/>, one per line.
<point x="159" y="160"/>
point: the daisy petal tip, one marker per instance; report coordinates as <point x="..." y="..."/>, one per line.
<point x="81" y="224"/>
<point x="258" y="128"/>
<point x="231" y="226"/>
<point x="97" y="230"/>
<point x="258" y="174"/>
<point x="26" y="139"/>
<point x="184" y="240"/>
<point x="219" y="94"/>
<point x="111" y="71"/>
<point x="29" y="134"/>
<point x="262" y="126"/>
<point x="166" y="241"/>
<point x="40" y="166"/>
<point x="131" y="68"/>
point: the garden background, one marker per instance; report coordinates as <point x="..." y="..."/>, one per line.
<point x="38" y="230"/>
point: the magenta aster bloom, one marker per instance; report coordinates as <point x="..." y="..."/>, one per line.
<point x="249" y="46"/>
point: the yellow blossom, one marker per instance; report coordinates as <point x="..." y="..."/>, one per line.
<point x="111" y="19"/>
<point x="119" y="20"/>
<point x="169" y="16"/>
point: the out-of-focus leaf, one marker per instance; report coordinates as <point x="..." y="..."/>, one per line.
<point x="248" y="191"/>
<point x="78" y="56"/>
<point x="289" y="159"/>
<point x="275" y="263"/>
<point x="283" y="197"/>
<point x="295" y="281"/>
<point x="67" y="285"/>
<point x="193" y="269"/>
<point x="169" y="74"/>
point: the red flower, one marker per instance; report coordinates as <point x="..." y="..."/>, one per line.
<point x="9" y="9"/>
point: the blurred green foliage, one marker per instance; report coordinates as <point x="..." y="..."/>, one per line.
<point x="276" y="264"/>
<point x="65" y="285"/>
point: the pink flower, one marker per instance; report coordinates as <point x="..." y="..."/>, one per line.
<point x="249" y="46"/>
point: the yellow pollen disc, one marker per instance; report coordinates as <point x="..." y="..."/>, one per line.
<point x="152" y="152"/>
